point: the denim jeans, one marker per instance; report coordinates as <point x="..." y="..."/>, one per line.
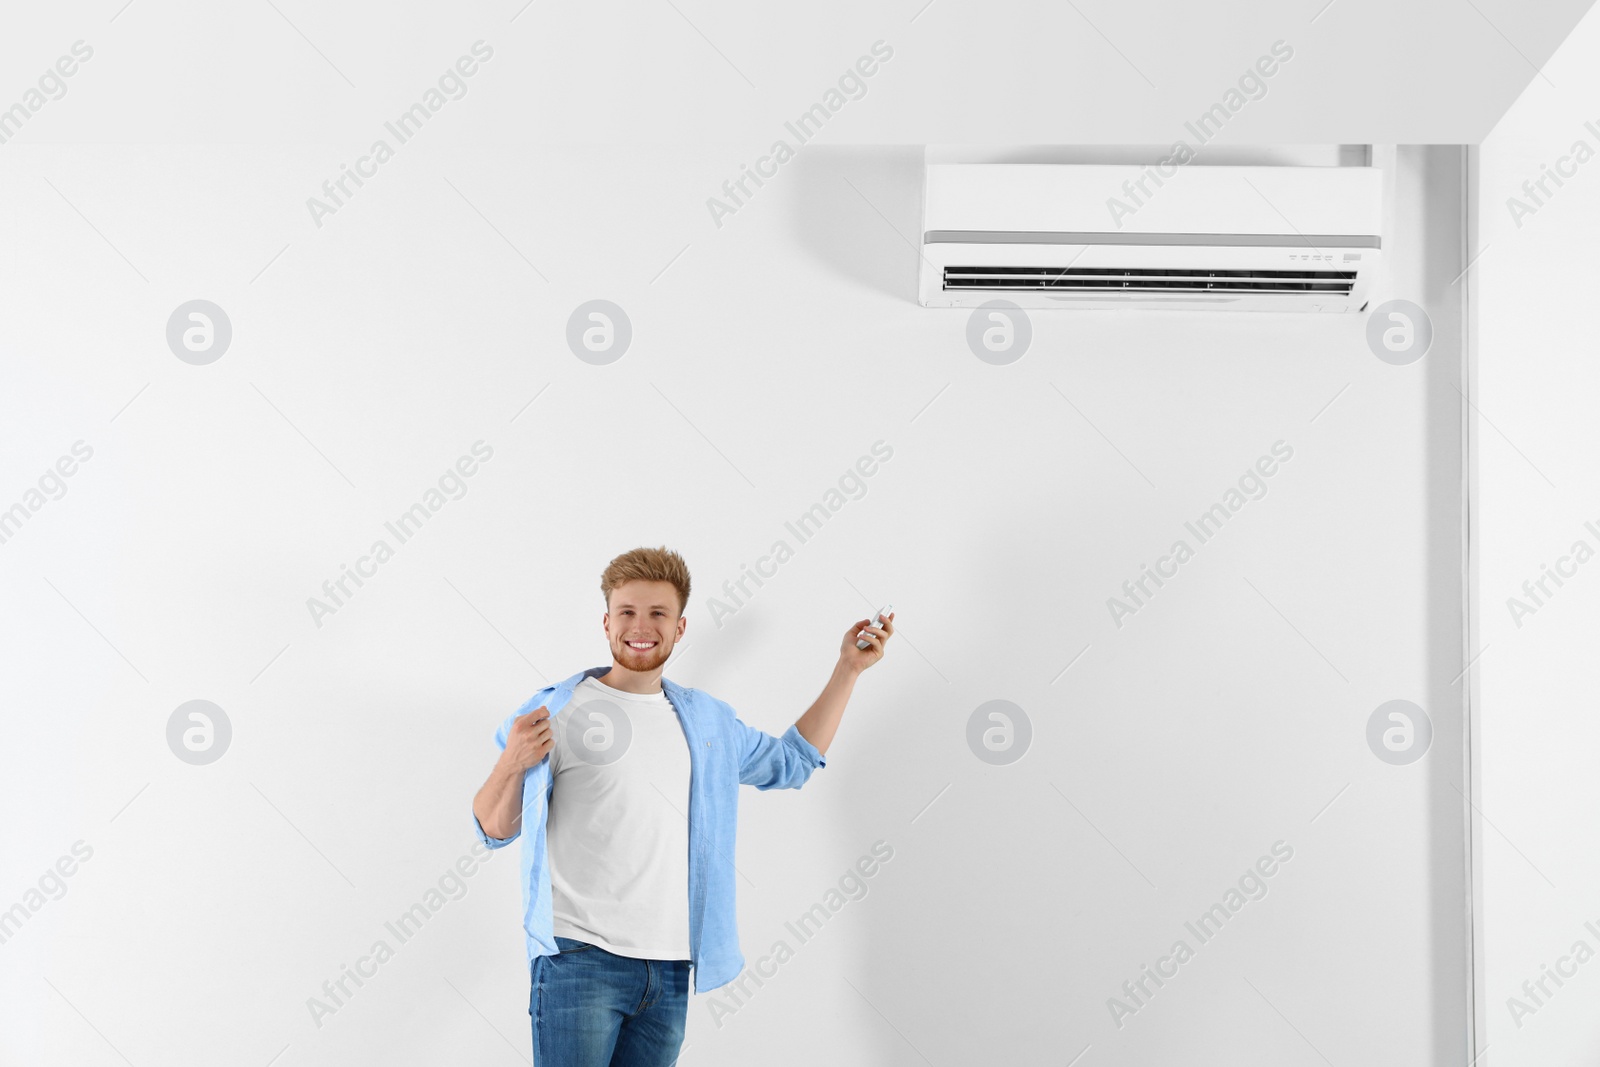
<point x="592" y="1008"/>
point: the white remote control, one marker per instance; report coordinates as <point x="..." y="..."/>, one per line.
<point x="883" y="613"/>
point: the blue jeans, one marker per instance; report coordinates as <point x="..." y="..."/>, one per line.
<point x="592" y="1008"/>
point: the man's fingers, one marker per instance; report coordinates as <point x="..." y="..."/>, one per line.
<point x="535" y="724"/>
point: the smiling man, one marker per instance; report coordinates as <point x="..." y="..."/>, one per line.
<point x="628" y="787"/>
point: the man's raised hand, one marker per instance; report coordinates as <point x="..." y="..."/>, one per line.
<point x="859" y="659"/>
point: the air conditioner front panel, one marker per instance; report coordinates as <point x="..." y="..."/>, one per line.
<point x="1195" y="198"/>
<point x="1236" y="238"/>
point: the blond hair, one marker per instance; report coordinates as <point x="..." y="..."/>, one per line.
<point x="651" y="565"/>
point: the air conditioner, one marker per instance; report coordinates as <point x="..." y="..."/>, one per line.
<point x="1111" y="236"/>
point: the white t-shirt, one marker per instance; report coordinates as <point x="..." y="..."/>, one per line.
<point x="617" y="829"/>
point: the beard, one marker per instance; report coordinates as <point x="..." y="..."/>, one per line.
<point x="641" y="660"/>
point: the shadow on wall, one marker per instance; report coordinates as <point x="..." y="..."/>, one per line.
<point x="717" y="651"/>
<point x="1439" y="171"/>
<point x="859" y="210"/>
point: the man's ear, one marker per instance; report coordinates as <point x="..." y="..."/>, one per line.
<point x="683" y="623"/>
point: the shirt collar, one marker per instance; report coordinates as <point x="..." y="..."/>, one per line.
<point x="671" y="688"/>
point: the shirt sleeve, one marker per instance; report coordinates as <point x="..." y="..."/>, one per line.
<point x="768" y="762"/>
<point x="500" y="737"/>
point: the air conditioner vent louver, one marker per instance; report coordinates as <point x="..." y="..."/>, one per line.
<point x="1146" y="280"/>
<point x="1066" y="236"/>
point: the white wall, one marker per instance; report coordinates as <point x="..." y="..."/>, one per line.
<point x="767" y="357"/>
<point x="1535" y="439"/>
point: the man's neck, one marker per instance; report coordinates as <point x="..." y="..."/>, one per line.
<point x="620" y="677"/>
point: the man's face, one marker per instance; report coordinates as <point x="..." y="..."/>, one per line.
<point x="643" y="623"/>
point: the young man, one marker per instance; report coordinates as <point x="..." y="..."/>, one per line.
<point x="628" y="784"/>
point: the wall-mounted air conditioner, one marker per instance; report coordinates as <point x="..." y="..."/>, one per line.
<point x="1111" y="236"/>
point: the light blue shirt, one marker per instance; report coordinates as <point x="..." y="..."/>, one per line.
<point x="723" y="754"/>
